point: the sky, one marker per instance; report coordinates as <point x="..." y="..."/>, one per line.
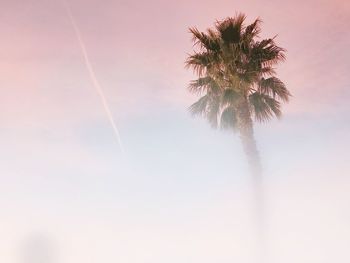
<point x="181" y="192"/>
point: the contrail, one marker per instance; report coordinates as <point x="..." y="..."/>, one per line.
<point x="93" y="77"/>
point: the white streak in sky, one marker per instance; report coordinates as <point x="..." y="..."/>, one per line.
<point x="93" y="77"/>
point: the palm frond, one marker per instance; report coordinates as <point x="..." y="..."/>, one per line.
<point x="230" y="29"/>
<point x="228" y="119"/>
<point x="206" y="41"/>
<point x="200" y="106"/>
<point x="204" y="84"/>
<point x="267" y="71"/>
<point x="230" y="96"/>
<point x="199" y="62"/>
<point x="264" y="107"/>
<point x="252" y="31"/>
<point x="213" y="34"/>
<point x="275" y="87"/>
<point x="213" y="111"/>
<point x="207" y="106"/>
<point x="267" y="52"/>
<point x="265" y="42"/>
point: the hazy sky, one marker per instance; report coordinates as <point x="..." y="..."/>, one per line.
<point x="182" y="191"/>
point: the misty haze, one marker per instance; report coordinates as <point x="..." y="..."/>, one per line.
<point x="174" y="131"/>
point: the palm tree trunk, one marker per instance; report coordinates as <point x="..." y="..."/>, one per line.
<point x="246" y="133"/>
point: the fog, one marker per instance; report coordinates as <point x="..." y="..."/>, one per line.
<point x="182" y="191"/>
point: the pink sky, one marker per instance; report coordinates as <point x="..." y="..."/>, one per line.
<point x="61" y="173"/>
<point x="145" y="44"/>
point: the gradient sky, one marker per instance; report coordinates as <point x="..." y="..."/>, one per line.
<point x="182" y="191"/>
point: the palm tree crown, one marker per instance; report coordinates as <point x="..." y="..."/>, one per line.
<point x="236" y="74"/>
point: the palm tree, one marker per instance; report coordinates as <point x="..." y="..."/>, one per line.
<point x="237" y="83"/>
